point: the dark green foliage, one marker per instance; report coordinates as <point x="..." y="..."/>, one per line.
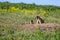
<point x="53" y="11"/>
<point x="6" y="5"/>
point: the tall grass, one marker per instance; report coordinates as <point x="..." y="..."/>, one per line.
<point x="10" y="27"/>
<point x="39" y="35"/>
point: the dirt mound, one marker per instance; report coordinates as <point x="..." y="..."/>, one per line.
<point x="48" y="27"/>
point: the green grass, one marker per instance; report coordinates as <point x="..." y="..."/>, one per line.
<point x="39" y="35"/>
<point x="10" y="27"/>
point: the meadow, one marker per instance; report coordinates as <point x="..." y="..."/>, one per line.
<point x="12" y="19"/>
<point x="10" y="27"/>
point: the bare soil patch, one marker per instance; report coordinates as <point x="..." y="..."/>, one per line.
<point x="47" y="27"/>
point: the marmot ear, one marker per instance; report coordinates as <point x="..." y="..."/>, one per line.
<point x="31" y="22"/>
<point x="39" y="21"/>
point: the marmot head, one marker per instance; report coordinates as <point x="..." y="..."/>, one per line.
<point x="38" y="17"/>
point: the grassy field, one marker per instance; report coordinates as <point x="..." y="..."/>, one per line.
<point x="10" y="28"/>
<point x="15" y="19"/>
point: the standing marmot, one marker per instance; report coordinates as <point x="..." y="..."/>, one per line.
<point x="39" y="20"/>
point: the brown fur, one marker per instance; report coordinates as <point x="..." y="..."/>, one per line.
<point x="39" y="20"/>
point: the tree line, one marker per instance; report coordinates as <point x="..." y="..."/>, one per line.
<point x="7" y="5"/>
